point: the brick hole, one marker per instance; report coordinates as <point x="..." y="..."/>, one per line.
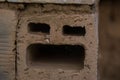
<point x="39" y="28"/>
<point x="56" y="56"/>
<point x="74" y="30"/>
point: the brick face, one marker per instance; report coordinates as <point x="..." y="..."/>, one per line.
<point x="56" y="37"/>
<point x="53" y="42"/>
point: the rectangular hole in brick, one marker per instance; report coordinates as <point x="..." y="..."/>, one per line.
<point x="39" y="28"/>
<point x="56" y="56"/>
<point x="74" y="30"/>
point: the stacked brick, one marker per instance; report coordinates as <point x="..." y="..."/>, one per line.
<point x="52" y="42"/>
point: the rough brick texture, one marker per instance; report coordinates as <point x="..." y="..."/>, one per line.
<point x="57" y="17"/>
<point x="7" y="44"/>
<point x="52" y="29"/>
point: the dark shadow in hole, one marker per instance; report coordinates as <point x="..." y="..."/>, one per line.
<point x="56" y="54"/>
<point x="74" y="30"/>
<point x="39" y="27"/>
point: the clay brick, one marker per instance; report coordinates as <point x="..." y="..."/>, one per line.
<point x="7" y="44"/>
<point x="56" y="1"/>
<point x="34" y="42"/>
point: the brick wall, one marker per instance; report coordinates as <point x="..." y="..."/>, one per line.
<point x="50" y="41"/>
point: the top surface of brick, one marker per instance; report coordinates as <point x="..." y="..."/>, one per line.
<point x="2" y="0"/>
<point x="56" y="1"/>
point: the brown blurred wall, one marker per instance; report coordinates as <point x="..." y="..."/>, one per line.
<point x="109" y="37"/>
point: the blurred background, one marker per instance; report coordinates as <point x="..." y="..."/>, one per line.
<point x="109" y="37"/>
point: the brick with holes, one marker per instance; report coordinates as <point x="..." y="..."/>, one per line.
<point x="57" y="43"/>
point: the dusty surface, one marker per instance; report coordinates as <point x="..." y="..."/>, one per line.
<point x="56" y="16"/>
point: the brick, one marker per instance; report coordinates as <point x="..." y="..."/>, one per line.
<point x="56" y="1"/>
<point x="33" y="41"/>
<point x="7" y="44"/>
